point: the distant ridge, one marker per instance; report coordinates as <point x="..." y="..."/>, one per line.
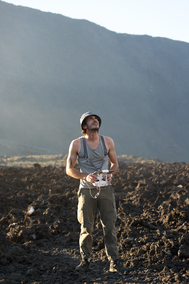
<point x="54" y="68"/>
<point x="59" y="160"/>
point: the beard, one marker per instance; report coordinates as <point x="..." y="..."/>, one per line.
<point x="94" y="128"/>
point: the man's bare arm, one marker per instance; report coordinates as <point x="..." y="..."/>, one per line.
<point x="112" y="154"/>
<point x="71" y="160"/>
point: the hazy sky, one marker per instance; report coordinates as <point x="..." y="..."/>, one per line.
<point x="164" y="18"/>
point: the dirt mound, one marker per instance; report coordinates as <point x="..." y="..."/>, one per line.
<point x="39" y="231"/>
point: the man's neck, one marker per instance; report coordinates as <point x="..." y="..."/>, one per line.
<point x="92" y="136"/>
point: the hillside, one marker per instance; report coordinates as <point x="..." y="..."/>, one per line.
<point x="54" y="68"/>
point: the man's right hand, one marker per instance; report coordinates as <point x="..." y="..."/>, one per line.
<point x="91" y="178"/>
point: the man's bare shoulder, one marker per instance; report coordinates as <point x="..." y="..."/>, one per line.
<point x="108" y="139"/>
<point x="76" y="144"/>
<point x="76" y="141"/>
<point x="109" y="142"/>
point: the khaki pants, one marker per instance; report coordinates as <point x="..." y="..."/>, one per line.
<point x="87" y="207"/>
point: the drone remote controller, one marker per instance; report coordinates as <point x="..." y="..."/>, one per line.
<point x="102" y="182"/>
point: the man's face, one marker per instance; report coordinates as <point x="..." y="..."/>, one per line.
<point x="92" y="122"/>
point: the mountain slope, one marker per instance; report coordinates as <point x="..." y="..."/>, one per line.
<point x="54" y="68"/>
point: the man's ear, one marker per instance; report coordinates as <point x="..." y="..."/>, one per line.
<point x="84" y="126"/>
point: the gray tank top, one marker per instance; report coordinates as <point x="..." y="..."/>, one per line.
<point x="92" y="160"/>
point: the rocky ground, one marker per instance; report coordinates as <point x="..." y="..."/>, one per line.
<point x="39" y="230"/>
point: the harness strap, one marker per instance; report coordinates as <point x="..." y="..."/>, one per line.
<point x="85" y="148"/>
<point x="103" y="143"/>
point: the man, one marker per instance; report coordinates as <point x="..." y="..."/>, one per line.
<point x="94" y="153"/>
